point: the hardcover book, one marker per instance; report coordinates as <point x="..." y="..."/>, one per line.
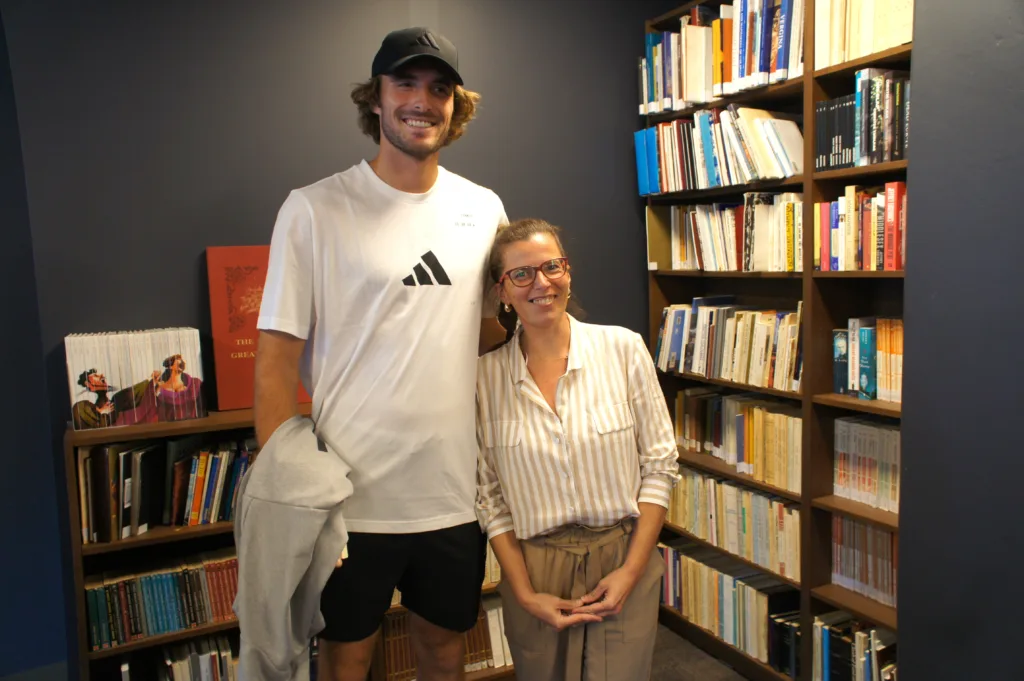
<point x="236" y="275"/>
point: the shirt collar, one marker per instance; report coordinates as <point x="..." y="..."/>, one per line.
<point x="578" y="351"/>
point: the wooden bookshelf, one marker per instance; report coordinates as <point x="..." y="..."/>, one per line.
<point x="856" y="604"/>
<point x="750" y="667"/>
<point x="893" y="57"/>
<point x="859" y="511"/>
<point x="789" y="394"/>
<point x="164" y="639"/>
<point x="676" y="529"/>
<point x="710" y="464"/>
<point x="728" y="274"/>
<point x="789" y="89"/>
<point x="861" y="172"/>
<point x="860" y="274"/>
<point x="879" y="407"/>
<point x="158" y="535"/>
<point x="829" y="299"/>
<point x="732" y="190"/>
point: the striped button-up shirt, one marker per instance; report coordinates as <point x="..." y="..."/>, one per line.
<point x="610" y="446"/>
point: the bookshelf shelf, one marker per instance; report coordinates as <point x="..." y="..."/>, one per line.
<point x="860" y="274"/>
<point x="738" y="386"/>
<point x="698" y="195"/>
<point x="855" y="604"/>
<point x="787" y="89"/>
<point x="861" y="172"/>
<point x="893" y="56"/>
<point x="727" y="274"/>
<point x="158" y="535"/>
<point x="710" y="464"/>
<point x="216" y="420"/>
<point x="855" y="509"/>
<point x="750" y="667"/>
<point x="671" y="527"/>
<point x="164" y="639"/>
<point x="879" y="407"/>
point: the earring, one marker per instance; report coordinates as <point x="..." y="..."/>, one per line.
<point x="568" y="294"/>
<point x="507" y="308"/>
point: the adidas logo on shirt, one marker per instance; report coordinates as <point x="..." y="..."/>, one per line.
<point x="420" y="276"/>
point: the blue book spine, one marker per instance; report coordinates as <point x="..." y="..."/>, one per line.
<point x="868" y="367"/>
<point x="640" y="145"/>
<point x="653" y="173"/>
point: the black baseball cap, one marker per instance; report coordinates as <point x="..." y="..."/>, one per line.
<point x="402" y="46"/>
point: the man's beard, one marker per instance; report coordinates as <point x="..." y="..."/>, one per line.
<point x="389" y="128"/>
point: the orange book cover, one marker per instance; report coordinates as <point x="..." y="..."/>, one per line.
<point x="236" y="276"/>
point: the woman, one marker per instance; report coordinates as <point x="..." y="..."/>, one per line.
<point x="577" y="460"/>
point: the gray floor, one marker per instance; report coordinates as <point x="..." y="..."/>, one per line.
<point x="676" y="659"/>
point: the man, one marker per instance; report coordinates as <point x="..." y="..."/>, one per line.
<point x="375" y="297"/>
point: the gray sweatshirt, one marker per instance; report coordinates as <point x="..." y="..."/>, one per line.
<point x="289" y="532"/>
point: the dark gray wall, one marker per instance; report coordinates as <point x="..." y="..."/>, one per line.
<point x="153" y="130"/>
<point x="961" y="541"/>
<point x="30" y="566"/>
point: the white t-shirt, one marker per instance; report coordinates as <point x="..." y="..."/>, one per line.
<point x="388" y="290"/>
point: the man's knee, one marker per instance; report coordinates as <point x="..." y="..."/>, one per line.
<point x="437" y="648"/>
<point x="346" y="661"/>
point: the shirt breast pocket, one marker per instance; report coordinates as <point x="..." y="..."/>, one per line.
<point x="612" y="419"/>
<point x="502" y="435"/>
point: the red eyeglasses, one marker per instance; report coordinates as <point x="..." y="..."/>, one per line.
<point x="527" y="274"/>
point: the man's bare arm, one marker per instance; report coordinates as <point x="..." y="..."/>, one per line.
<point x="277" y="381"/>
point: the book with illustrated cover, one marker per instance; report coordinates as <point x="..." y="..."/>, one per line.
<point x="125" y="378"/>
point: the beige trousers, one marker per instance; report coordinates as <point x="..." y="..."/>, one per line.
<point x="569" y="563"/>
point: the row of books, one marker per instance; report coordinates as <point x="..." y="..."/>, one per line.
<point x="736" y="603"/>
<point x="192" y="592"/>
<point x="127" y="489"/>
<point x="760" y="528"/>
<point x="130" y="377"/>
<point x="764" y="233"/>
<point x="847" y="649"/>
<point x="864" y="229"/>
<point x="715" y="337"/>
<point x="845" y="30"/>
<point x="870" y="125"/>
<point x="718" y="148"/>
<point x="758" y="436"/>
<point x="486" y="645"/>
<point x="209" y="658"/>
<point x="866" y="464"/>
<point x="867" y="359"/>
<point x="720" y="51"/>
<point x="865" y="559"/>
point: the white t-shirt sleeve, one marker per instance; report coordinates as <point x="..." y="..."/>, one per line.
<point x="491" y="298"/>
<point x="288" y="292"/>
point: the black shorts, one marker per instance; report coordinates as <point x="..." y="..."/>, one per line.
<point x="439" y="574"/>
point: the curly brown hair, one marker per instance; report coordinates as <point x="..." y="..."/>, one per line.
<point x="367" y="95"/>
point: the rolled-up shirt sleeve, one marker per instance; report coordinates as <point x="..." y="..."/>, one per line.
<point x="656" y="442"/>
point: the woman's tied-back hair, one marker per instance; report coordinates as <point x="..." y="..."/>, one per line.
<point x="514" y="232"/>
<point x="367" y="95"/>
